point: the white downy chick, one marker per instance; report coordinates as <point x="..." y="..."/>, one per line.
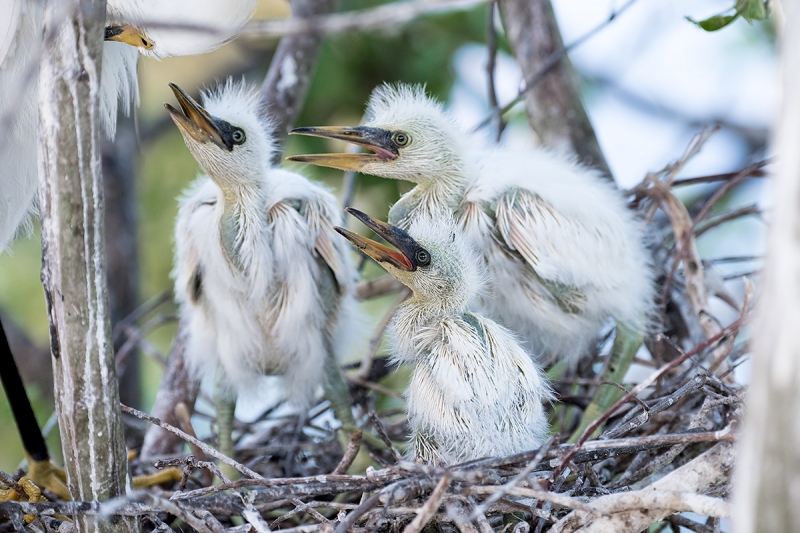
<point x="563" y="252"/>
<point x="474" y="391"/>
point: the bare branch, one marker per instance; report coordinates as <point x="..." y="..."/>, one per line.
<point x="385" y="16"/>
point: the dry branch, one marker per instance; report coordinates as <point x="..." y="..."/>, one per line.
<point x="680" y="490"/>
<point x="386" y="16"/>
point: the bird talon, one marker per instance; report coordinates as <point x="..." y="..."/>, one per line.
<point x="167" y="475"/>
<point x="47" y="475"/>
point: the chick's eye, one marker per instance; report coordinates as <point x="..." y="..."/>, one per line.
<point x="238" y="136"/>
<point x="422" y="257"/>
<point x="401" y="139"/>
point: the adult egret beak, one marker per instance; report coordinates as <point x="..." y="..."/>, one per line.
<point x="402" y="258"/>
<point x="196" y="122"/>
<point x="125" y="33"/>
<point x="377" y="140"/>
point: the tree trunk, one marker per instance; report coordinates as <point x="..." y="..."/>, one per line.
<point x="766" y="495"/>
<point x="286" y="84"/>
<point x="554" y="104"/>
<point x="73" y="262"/>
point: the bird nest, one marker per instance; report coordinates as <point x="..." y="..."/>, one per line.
<point x="664" y="449"/>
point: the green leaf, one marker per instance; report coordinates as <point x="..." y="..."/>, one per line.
<point x="751" y="10"/>
<point x="717" y="22"/>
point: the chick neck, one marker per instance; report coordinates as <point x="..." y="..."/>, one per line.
<point x="242" y="220"/>
<point x="416" y="322"/>
<point x="432" y="196"/>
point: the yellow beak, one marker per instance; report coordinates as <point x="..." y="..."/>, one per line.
<point x="125" y="33"/>
<point x="377" y="140"/>
<point x="195" y="121"/>
<point x="403" y="258"/>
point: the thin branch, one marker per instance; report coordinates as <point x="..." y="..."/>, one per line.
<point x="552" y="61"/>
<point x="390" y="15"/>
<point x="191" y="440"/>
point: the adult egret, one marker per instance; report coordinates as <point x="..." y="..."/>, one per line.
<point x="157" y="28"/>
<point x="154" y="27"/>
<point x="262" y="285"/>
<point x="474" y="391"/>
<point x="564" y="253"/>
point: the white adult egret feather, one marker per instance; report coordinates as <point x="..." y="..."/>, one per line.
<point x="474" y="391"/>
<point x="263" y="287"/>
<point x="563" y="251"/>
<point x="158" y="28"/>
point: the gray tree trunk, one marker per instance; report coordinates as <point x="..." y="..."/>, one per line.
<point x="73" y="263"/>
<point x="554" y="105"/>
<point x="767" y="473"/>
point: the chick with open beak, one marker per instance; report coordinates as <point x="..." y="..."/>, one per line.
<point x="265" y="285"/>
<point x="474" y="391"/>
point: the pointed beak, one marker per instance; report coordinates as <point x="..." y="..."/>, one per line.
<point x="125" y="33"/>
<point x="374" y="139"/>
<point x="402" y="258"/>
<point x="195" y="121"/>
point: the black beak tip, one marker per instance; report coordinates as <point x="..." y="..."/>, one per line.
<point x="356" y="213"/>
<point x="112" y="31"/>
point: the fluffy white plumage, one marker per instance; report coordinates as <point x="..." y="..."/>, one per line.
<point x="263" y="286"/>
<point x="474" y="391"/>
<point x="20" y="38"/>
<point x="563" y="251"/>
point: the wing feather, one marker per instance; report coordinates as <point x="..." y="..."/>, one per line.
<point x="9" y="23"/>
<point x="560" y="250"/>
<point x="320" y="222"/>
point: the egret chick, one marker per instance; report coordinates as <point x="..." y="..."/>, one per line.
<point x="563" y="251"/>
<point x="263" y="287"/>
<point x="474" y="391"/>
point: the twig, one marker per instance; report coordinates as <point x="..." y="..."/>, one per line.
<point x="515" y="481"/>
<point x="431" y="505"/>
<point x="374" y="386"/>
<point x="378" y="425"/>
<point x="647" y="382"/>
<point x="552" y="61"/>
<point x="491" y="64"/>
<point x="727" y="216"/>
<point x="688" y="388"/>
<point x="375" y="288"/>
<point x="358" y="512"/>
<point x="727" y="186"/>
<point x="349" y="454"/>
<point x="757" y="172"/>
<point x="191" y="440"/>
<point x="558" y="499"/>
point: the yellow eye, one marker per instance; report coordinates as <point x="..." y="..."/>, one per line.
<point x="422" y="257"/>
<point x="238" y="136"/>
<point x="401" y="138"/>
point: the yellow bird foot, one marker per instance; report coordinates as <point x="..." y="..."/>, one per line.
<point x="34" y="495"/>
<point x="48" y="476"/>
<point x="167" y="475"/>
